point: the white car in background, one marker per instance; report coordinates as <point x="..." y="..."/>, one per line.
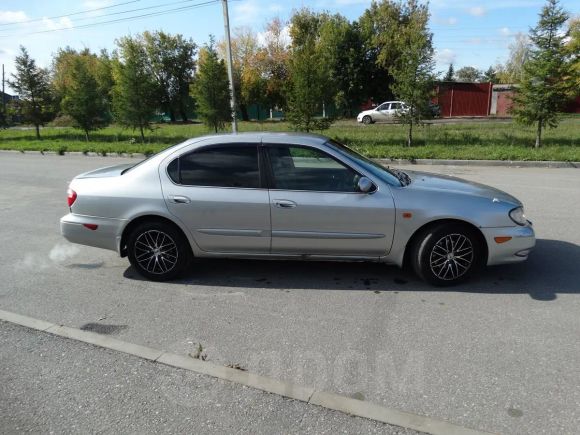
<point x="387" y="111"/>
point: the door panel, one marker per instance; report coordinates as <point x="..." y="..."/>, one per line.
<point x="231" y="212"/>
<point x="316" y="208"/>
<point x="332" y="223"/>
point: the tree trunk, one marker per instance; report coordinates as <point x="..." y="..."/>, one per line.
<point x="183" y="113"/>
<point x="87" y="135"/>
<point x="37" y="131"/>
<point x="410" y="135"/>
<point x="142" y="134"/>
<point x="539" y="134"/>
<point x="172" y="114"/>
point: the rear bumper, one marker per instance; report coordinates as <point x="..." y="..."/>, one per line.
<point x="514" y="250"/>
<point x="105" y="236"/>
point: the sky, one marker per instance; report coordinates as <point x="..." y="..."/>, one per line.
<point x="466" y="32"/>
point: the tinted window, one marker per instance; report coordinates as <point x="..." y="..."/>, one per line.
<point x="384" y="106"/>
<point x="228" y="166"/>
<point x="173" y="170"/>
<point x="395" y="106"/>
<point x="297" y="168"/>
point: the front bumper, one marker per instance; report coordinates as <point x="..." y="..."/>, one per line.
<point x="106" y="235"/>
<point x="514" y="250"/>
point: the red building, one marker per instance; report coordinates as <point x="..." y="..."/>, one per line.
<point x="463" y="99"/>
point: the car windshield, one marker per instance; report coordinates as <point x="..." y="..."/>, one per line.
<point x="385" y="174"/>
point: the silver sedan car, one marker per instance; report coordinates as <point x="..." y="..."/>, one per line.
<point x="292" y="196"/>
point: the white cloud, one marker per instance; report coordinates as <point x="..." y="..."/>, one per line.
<point x="12" y="16"/>
<point x="505" y="31"/>
<point x="477" y="11"/>
<point x="246" y="13"/>
<point x="61" y="23"/>
<point x="445" y="56"/>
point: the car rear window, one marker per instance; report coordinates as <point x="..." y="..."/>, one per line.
<point x="227" y="166"/>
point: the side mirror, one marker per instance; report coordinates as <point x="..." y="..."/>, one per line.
<point x="365" y="185"/>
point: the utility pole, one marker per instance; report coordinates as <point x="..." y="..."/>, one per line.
<point x="230" y="67"/>
<point x="3" y="97"/>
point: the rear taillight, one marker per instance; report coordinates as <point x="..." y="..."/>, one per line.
<point x="71" y="196"/>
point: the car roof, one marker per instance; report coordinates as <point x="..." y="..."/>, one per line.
<point x="266" y="137"/>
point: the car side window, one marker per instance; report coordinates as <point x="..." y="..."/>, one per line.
<point x="220" y="166"/>
<point x="303" y="168"/>
<point x="395" y="106"/>
<point x="384" y="106"/>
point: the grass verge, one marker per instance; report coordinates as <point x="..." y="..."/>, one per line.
<point x="486" y="140"/>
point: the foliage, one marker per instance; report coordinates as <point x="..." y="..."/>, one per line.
<point x="450" y="74"/>
<point x="211" y="89"/>
<point x="413" y="69"/>
<point x="308" y="87"/>
<point x="134" y="92"/>
<point x="83" y="100"/>
<point x="32" y="84"/>
<point x="171" y="60"/>
<point x="573" y="51"/>
<point x="468" y="74"/>
<point x="490" y="76"/>
<point x="513" y="70"/>
<point x="544" y="89"/>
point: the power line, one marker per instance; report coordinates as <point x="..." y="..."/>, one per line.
<point x="69" y="15"/>
<point x="131" y="10"/>
<point x="135" y="17"/>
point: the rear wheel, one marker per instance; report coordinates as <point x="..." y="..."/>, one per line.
<point x="447" y="254"/>
<point x="367" y="120"/>
<point x="158" y="251"/>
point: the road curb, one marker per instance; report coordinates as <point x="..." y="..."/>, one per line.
<point x="308" y="395"/>
<point x="383" y="161"/>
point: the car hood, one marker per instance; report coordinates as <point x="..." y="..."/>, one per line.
<point x="109" y="171"/>
<point x="436" y="182"/>
<point x="365" y="112"/>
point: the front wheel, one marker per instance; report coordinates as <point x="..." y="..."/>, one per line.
<point x="158" y="251"/>
<point x="367" y="120"/>
<point x="447" y="254"/>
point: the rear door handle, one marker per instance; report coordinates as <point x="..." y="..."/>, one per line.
<point x="284" y="203"/>
<point x="178" y="199"/>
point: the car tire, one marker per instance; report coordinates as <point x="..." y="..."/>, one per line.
<point x="367" y="120"/>
<point x="158" y="251"/>
<point x="447" y="254"/>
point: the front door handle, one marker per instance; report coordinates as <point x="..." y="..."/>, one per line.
<point x="178" y="199"/>
<point x="284" y="203"/>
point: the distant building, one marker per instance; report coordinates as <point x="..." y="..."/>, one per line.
<point x="463" y="99"/>
<point x="7" y="97"/>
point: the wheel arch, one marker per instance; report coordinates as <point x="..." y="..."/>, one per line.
<point x="426" y="227"/>
<point x="148" y="218"/>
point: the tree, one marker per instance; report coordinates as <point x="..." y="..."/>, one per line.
<point x="171" y="60"/>
<point x="98" y="66"/>
<point x="248" y="81"/>
<point x="512" y="71"/>
<point x="83" y="100"/>
<point x="468" y="74"/>
<point x="273" y="60"/>
<point x="573" y="51"/>
<point x="32" y="84"/>
<point x="134" y="92"/>
<point x="412" y="70"/>
<point x="544" y="87"/>
<point x="490" y="76"/>
<point x="450" y="75"/>
<point x="340" y="46"/>
<point x="211" y="88"/>
<point x="309" y="86"/>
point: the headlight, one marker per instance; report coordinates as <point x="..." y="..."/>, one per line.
<point x="517" y="215"/>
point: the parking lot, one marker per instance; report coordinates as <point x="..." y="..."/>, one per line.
<point x="500" y="353"/>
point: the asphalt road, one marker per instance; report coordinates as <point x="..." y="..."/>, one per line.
<point x="50" y="384"/>
<point x="500" y="353"/>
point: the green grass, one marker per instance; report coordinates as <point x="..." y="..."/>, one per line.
<point x="469" y="140"/>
